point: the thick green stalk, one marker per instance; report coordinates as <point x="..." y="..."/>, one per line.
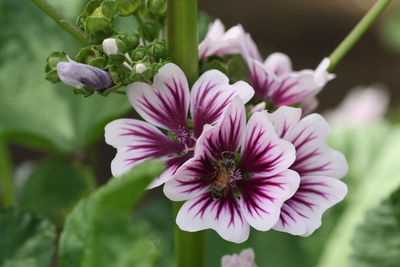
<point x="63" y="22"/>
<point x="182" y="36"/>
<point x="182" y="47"/>
<point x="6" y="177"/>
<point x="189" y="247"/>
<point x="352" y="38"/>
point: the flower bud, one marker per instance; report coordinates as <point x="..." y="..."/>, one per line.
<point x="157" y="49"/>
<point x="97" y="18"/>
<point x="156" y="7"/>
<point x="130" y="40"/>
<point x="138" y="54"/>
<point x="110" y="46"/>
<point x="140" y="68"/>
<point x="128" y="7"/>
<point x="79" y="75"/>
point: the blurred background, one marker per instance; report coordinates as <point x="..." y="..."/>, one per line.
<point x="45" y="125"/>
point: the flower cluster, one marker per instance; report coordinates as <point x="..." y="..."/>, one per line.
<point x="235" y="169"/>
<point x="273" y="79"/>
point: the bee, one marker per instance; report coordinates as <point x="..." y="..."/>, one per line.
<point x="225" y="168"/>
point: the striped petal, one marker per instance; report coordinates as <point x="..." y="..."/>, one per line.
<point x="223" y="216"/>
<point x="210" y="96"/>
<point x="227" y="135"/>
<point x="263" y="152"/>
<point x="301" y="215"/>
<point x="219" y="43"/>
<point x="193" y="179"/>
<point x="135" y="142"/>
<point x="292" y="89"/>
<point x="263" y="197"/>
<point x="309" y="136"/>
<point x="165" y="103"/>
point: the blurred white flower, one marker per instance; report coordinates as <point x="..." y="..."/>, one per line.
<point x="244" y="259"/>
<point x="361" y="106"/>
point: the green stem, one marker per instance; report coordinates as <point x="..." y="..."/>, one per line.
<point x="182" y="36"/>
<point x="63" y="22"/>
<point x="182" y="47"/>
<point x="352" y="38"/>
<point x="6" y="177"/>
<point x="189" y="247"/>
<point x="142" y="27"/>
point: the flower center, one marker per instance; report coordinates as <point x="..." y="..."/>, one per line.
<point x="185" y="137"/>
<point x="225" y="175"/>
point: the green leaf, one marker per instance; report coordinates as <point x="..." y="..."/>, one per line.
<point x="32" y="110"/>
<point x="377" y="239"/>
<point x="372" y="154"/>
<point x="99" y="233"/>
<point x="53" y="188"/>
<point x="25" y="240"/>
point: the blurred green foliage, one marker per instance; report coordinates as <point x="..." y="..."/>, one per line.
<point x="25" y="241"/>
<point x="372" y="154"/>
<point x="99" y="232"/>
<point x="53" y="188"/>
<point x="377" y="239"/>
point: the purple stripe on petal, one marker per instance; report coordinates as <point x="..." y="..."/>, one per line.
<point x="173" y="165"/>
<point x="211" y="95"/>
<point x="224" y="216"/>
<point x="166" y="102"/>
<point x="262" y="151"/>
<point x="225" y="206"/>
<point x="255" y="191"/>
<point x="225" y="136"/>
<point x="136" y="141"/>
<point x="263" y="197"/>
<point x="301" y="214"/>
<point x="293" y="89"/>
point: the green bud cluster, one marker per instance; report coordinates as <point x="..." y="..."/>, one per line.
<point x="139" y="64"/>
<point x="127" y="56"/>
<point x="96" y="19"/>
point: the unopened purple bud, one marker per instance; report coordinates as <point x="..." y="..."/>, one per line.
<point x="78" y="75"/>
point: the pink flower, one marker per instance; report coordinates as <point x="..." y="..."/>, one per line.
<point x="244" y="259"/>
<point x="361" y="106"/>
<point x="319" y="167"/>
<point x="218" y="42"/>
<point x="165" y="104"/>
<point x="229" y="194"/>
<point x="274" y="79"/>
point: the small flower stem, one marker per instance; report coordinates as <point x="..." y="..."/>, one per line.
<point x="142" y="27"/>
<point x="63" y="22"/>
<point x="182" y="47"/>
<point x="359" y="30"/>
<point x="6" y="177"/>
